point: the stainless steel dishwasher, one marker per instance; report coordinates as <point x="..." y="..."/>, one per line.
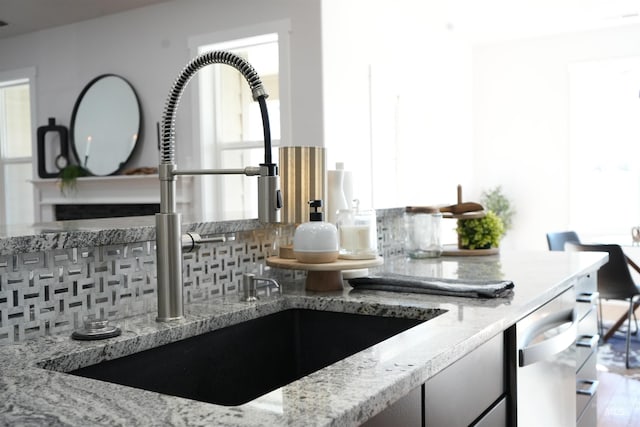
<point x="546" y="364"/>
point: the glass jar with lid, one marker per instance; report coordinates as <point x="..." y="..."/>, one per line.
<point x="422" y="232"/>
<point x="357" y="232"/>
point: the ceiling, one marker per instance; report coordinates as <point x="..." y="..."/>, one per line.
<point x="26" y="16"/>
<point x="480" y="20"/>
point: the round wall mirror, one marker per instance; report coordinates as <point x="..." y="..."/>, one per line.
<point x="105" y="125"/>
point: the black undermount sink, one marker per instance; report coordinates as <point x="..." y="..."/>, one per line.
<point x="236" y="364"/>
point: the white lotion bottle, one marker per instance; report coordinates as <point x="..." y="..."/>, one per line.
<point x="347" y="188"/>
<point x="336" y="197"/>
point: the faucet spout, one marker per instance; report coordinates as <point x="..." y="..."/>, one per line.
<point x="168" y="221"/>
<point x="168" y="134"/>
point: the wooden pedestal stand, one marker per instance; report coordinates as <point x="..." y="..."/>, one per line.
<point x="324" y="277"/>
<point x="456" y="250"/>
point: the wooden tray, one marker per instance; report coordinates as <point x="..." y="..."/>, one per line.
<point x="466" y="215"/>
<point x="454" y="250"/>
<point x="326" y="276"/>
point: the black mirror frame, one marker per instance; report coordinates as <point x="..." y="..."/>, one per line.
<point x="73" y="120"/>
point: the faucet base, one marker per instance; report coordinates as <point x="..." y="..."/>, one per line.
<point x="169" y="266"/>
<point x="169" y="319"/>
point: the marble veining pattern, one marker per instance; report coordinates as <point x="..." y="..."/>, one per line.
<point x="76" y="265"/>
<point x="345" y="393"/>
<point x="112" y="231"/>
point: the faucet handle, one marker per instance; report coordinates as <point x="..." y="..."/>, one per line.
<point x="269" y="198"/>
<point x="191" y="241"/>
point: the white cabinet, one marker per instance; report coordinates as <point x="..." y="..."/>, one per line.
<point x="586" y="350"/>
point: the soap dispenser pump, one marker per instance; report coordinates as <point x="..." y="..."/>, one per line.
<point x="316" y="241"/>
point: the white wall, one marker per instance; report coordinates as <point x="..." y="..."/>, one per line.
<point x="149" y="47"/>
<point x="521" y="123"/>
<point x="397" y="100"/>
<point x="442" y="112"/>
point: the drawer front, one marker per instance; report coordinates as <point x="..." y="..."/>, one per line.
<point x="587" y="283"/>
<point x="586" y="385"/>
<point x="496" y="417"/>
<point x="587" y="338"/>
<point x="589" y="417"/>
<point x="585" y="302"/>
<point x="463" y="391"/>
<point x="405" y="412"/>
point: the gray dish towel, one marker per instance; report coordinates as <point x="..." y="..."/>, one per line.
<point x="434" y="285"/>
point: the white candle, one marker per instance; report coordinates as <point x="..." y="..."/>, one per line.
<point x="86" y="151"/>
<point x="355" y="238"/>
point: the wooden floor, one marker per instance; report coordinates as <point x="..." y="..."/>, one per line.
<point x="618" y="396"/>
<point x="618" y="401"/>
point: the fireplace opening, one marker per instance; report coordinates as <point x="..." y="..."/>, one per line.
<point x="93" y="211"/>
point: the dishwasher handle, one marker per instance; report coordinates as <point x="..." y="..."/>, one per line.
<point x="533" y="353"/>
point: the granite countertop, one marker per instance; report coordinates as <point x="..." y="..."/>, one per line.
<point x="345" y="393"/>
<point x="109" y="231"/>
<point x="101" y="232"/>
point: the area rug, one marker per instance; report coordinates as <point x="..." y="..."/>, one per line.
<point x="611" y="355"/>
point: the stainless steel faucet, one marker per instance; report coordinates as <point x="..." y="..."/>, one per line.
<point x="168" y="221"/>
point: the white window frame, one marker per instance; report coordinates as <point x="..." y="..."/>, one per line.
<point x="11" y="78"/>
<point x="208" y="200"/>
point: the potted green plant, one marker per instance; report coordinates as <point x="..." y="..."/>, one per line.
<point x="68" y="178"/>
<point x="494" y="200"/>
<point x="480" y="233"/>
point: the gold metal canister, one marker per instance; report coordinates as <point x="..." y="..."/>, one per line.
<point x="302" y="178"/>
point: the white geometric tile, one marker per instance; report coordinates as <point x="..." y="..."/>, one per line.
<point x="53" y="291"/>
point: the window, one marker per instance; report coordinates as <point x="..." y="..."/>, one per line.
<point x="16" y="168"/>
<point x="605" y="176"/>
<point x="230" y="124"/>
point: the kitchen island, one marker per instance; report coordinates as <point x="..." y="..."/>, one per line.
<point x="34" y="390"/>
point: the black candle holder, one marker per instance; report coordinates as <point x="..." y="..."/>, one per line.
<point x="62" y="159"/>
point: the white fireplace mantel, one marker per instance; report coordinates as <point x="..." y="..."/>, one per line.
<point x="116" y="189"/>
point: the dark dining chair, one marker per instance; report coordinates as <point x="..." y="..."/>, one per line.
<point x="557" y="240"/>
<point x="614" y="282"/>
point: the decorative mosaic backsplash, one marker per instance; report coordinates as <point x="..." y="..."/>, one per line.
<point x="52" y="291"/>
